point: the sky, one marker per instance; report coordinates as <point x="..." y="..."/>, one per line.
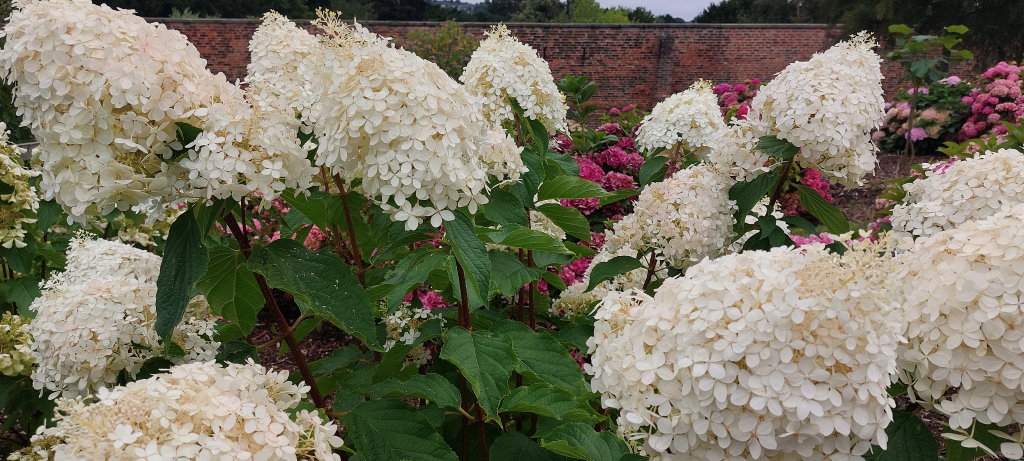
<point x="685" y="9"/>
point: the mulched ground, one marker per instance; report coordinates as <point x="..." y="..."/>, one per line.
<point x="858" y="204"/>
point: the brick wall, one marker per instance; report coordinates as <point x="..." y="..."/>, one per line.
<point x="632" y="63"/>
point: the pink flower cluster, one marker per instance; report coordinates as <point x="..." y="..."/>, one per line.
<point x="614" y="111"/>
<point x="430" y="299"/>
<point x="800" y="240"/>
<point x="734" y="100"/>
<point x="998" y="98"/>
<point x="612" y="167"/>
<point x="789" y="202"/>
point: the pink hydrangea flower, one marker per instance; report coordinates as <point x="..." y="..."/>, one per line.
<point x="589" y="170"/>
<point x="916" y="134"/>
<point x="614" y="181"/>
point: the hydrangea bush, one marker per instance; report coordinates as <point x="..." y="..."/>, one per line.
<point x="496" y="286"/>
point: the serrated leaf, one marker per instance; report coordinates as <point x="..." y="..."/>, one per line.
<point x="540" y="399"/>
<point x="504" y="208"/>
<point x="613" y="268"/>
<point x="389" y="430"/>
<point x="510" y="274"/>
<point x="613" y="197"/>
<point x="542" y="357"/>
<point x="653" y="169"/>
<point x="21" y="291"/>
<point x="184" y="262"/>
<point x="20" y="259"/>
<point x="48" y="214"/>
<point x="322" y="282"/>
<point x="530" y="239"/>
<point x="321" y="208"/>
<point x="554" y="280"/>
<point x="470" y="252"/>
<point x="569" y="187"/>
<point x="909" y="440"/>
<point x="747" y="194"/>
<point x="777" y="148"/>
<point x="580" y="441"/>
<point x="802" y="223"/>
<point x="827" y="213"/>
<point x="410" y="272"/>
<point x="340" y="358"/>
<point x="486" y="359"/>
<point x="514" y="446"/>
<point x="231" y="290"/>
<point x="569" y="219"/>
<point x="236" y="351"/>
<point x="432" y="387"/>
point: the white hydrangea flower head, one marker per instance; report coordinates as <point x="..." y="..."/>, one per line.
<point x="17" y="197"/>
<point x="780" y="354"/>
<point x="969" y="189"/>
<point x="685" y="218"/>
<point x="575" y="300"/>
<point x="501" y="155"/>
<point x="249" y="147"/>
<point x="152" y="228"/>
<point x="400" y="124"/>
<point x="962" y="293"/>
<point x="687" y="120"/>
<point x="102" y="91"/>
<point x="403" y="327"/>
<point x="501" y="69"/>
<point x="15" y="345"/>
<point x="732" y="150"/>
<point x="96" y="319"/>
<point x="829" y="118"/>
<point x="283" y="58"/>
<point x="200" y="410"/>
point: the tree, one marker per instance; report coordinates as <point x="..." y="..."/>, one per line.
<point x="540" y="11"/>
<point x="214" y="8"/>
<point x="589" y="11"/>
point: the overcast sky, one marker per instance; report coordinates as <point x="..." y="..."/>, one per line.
<point x="685" y="9"/>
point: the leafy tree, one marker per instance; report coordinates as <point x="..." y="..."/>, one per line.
<point x="447" y="46"/>
<point x="356" y="9"/>
<point x="214" y="8"/>
<point x="540" y="11"/>
<point x="589" y="11"/>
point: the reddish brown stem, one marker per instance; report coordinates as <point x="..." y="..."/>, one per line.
<point x="485" y="450"/>
<point x="533" y="291"/>
<point x="275" y="310"/>
<point x="464" y="319"/>
<point x="650" y="270"/>
<point x="356" y="254"/>
<point x="781" y="184"/>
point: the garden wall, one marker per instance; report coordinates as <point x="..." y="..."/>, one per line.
<point x="632" y="63"/>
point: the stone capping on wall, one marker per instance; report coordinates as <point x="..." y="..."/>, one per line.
<point x="549" y="25"/>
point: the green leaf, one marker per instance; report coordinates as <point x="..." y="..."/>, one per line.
<point x="505" y="208"/>
<point x="618" y="195"/>
<point x="340" y="358"/>
<point x="389" y="430"/>
<point x="802" y="223"/>
<point x="322" y="282"/>
<point x="653" y="170"/>
<point x="542" y="357"/>
<point x="510" y="274"/>
<point x="47" y="214"/>
<point x="827" y="213"/>
<point x="432" y="387"/>
<point x="955" y="451"/>
<point x="21" y="291"/>
<point x="20" y="259"/>
<point x="554" y="280"/>
<point x="236" y="351"/>
<point x="580" y="441"/>
<point x="613" y="268"/>
<point x="535" y="174"/>
<point x="958" y="29"/>
<point x="231" y="290"/>
<point x="533" y="240"/>
<point x="514" y="446"/>
<point x="909" y="440"/>
<point x="184" y="262"/>
<point x="470" y="252"/>
<point x="777" y="148"/>
<point x="410" y="272"/>
<point x="747" y="194"/>
<point x="922" y="67"/>
<point x="900" y="29"/>
<point x="486" y="359"/>
<point x="569" y="187"/>
<point x="569" y="219"/>
<point x="540" y="399"/>
<point x="321" y="208"/>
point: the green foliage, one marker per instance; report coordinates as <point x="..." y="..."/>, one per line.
<point x="589" y="11"/>
<point x="184" y="262"/>
<point x="578" y="89"/>
<point x="926" y="56"/>
<point x="613" y="268"/>
<point x="448" y="46"/>
<point x="909" y="440"/>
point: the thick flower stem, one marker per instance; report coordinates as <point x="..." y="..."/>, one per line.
<point x="464" y="319"/>
<point x="485" y="451"/>
<point x="650" y="269"/>
<point x="783" y="176"/>
<point x="275" y="310"/>
<point x="356" y="254"/>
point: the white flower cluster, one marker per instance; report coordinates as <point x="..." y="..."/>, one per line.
<point x="688" y="120"/>
<point x="283" y="59"/>
<point x="501" y="69"/>
<point x="830" y="119"/>
<point x="963" y="290"/>
<point x="400" y="124"/>
<point x="17" y="197"/>
<point x="102" y="91"/>
<point x="403" y="327"/>
<point x="15" y="345"/>
<point x="970" y="189"/>
<point x="781" y="354"/>
<point x="96" y="319"/>
<point x="684" y="218"/>
<point x="198" y="410"/>
<point x="733" y="150"/>
<point x="575" y="300"/>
